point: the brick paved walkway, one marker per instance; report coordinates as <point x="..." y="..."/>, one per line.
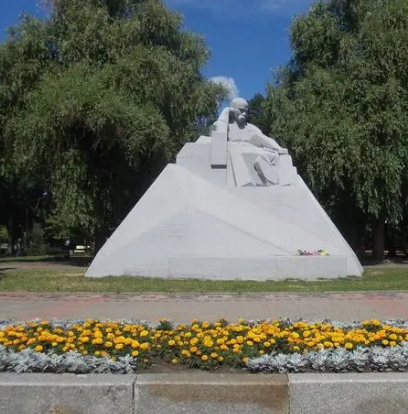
<point x="184" y="307"/>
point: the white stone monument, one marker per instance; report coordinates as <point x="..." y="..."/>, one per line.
<point x="232" y="207"/>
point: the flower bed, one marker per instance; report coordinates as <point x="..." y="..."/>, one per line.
<point x="274" y="346"/>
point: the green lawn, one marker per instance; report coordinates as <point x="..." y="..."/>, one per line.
<point x="73" y="280"/>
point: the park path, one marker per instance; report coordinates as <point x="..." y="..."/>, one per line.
<point x="182" y="308"/>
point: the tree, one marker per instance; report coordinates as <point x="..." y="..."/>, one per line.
<point x="341" y="106"/>
<point x="96" y="99"/>
<point x="257" y="114"/>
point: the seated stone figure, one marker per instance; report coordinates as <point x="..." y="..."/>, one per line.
<point x="252" y="158"/>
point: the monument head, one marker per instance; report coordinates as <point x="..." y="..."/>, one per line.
<point x="240" y="107"/>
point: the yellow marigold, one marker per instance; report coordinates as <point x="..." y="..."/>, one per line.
<point x="220" y="359"/>
<point x="393" y="337"/>
<point x="118" y="347"/>
<point x="194" y="341"/>
<point x="174" y="361"/>
<point x="249" y="343"/>
<point x="144" y="346"/>
<point x="204" y="358"/>
<point x="251" y="335"/>
<point x="385" y="342"/>
<point x="135" y="353"/>
<point x="119" y="339"/>
<point x="240" y="339"/>
<point x="193" y="349"/>
<point x="172" y="342"/>
<point x="393" y="343"/>
<point x="349" y="345"/>
<point x="108" y="344"/>
<point x="144" y="334"/>
<point x="38" y="348"/>
<point x="214" y="355"/>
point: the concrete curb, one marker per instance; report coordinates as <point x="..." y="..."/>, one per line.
<point x="204" y="393"/>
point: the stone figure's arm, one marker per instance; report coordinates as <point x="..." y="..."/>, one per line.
<point x="261" y="140"/>
<point x="224" y="118"/>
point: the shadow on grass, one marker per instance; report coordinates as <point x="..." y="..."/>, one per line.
<point x="76" y="261"/>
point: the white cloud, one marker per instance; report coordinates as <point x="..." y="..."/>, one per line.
<point x="229" y="83"/>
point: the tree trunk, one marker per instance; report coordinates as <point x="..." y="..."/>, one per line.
<point x="99" y="238"/>
<point x="11" y="236"/>
<point x="379" y="235"/>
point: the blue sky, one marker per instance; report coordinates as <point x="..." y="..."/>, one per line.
<point x="248" y="38"/>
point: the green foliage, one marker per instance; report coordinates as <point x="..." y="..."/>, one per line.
<point x="341" y="105"/>
<point x="95" y="100"/>
<point x="257" y="114"/>
<point x="3" y="234"/>
<point x="35" y="243"/>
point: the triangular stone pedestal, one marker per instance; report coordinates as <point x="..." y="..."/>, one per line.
<point x="186" y="226"/>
